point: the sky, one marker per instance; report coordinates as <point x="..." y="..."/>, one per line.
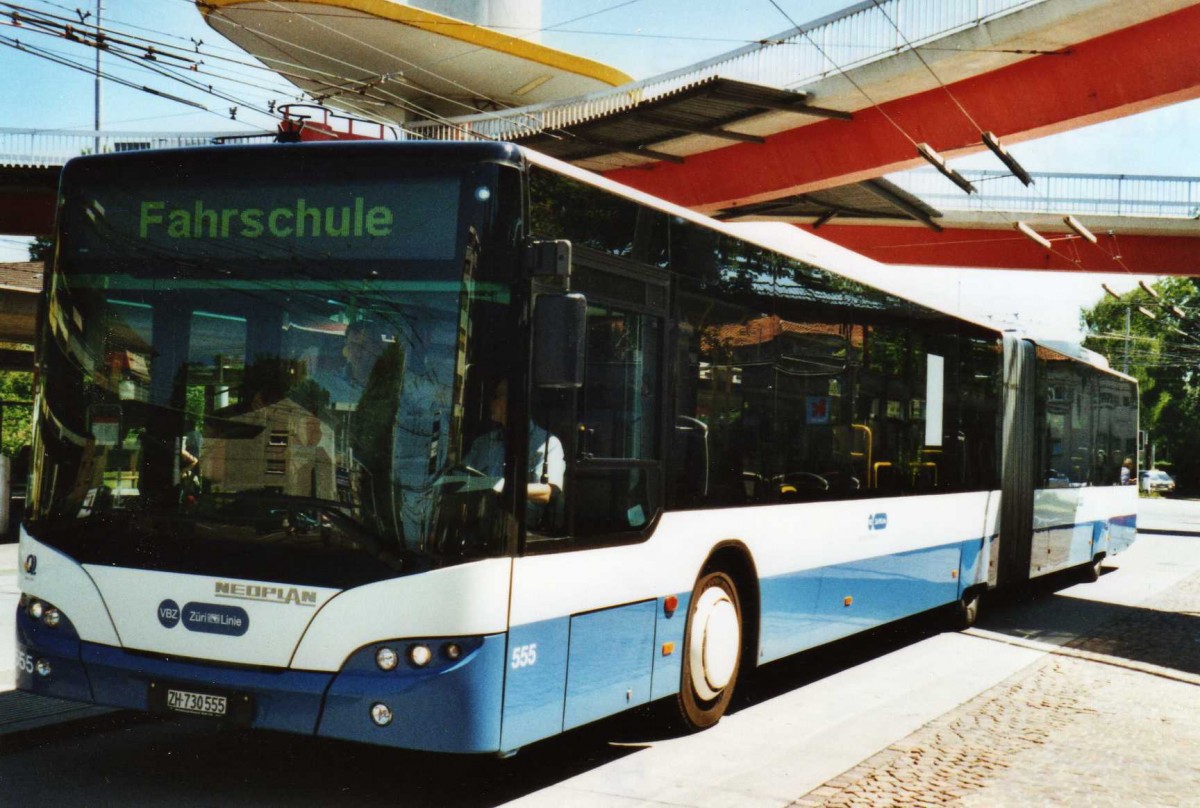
<point x="641" y="37"/>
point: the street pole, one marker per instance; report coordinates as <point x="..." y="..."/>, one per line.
<point x="99" y="8"/>
<point x="1128" y="314"/>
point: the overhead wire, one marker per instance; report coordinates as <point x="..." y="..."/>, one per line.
<point x="1071" y="240"/>
<point x="521" y="32"/>
<point x="160" y="48"/>
<point x="108" y="33"/>
<point x="1069" y="259"/>
<point x="1003" y="215"/>
<point x="416" y="66"/>
<point x="144" y="58"/>
<point x="314" y="75"/>
<point x="185" y="78"/>
<point x="50" y="56"/>
<point x="188" y="56"/>
<point x="403" y="103"/>
<point x="391" y="99"/>
<point x="397" y="100"/>
<point x="844" y="74"/>
<point x="412" y="106"/>
<point x="555" y="26"/>
<point x="917" y="53"/>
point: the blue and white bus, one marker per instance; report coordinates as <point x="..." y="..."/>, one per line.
<point x="454" y="447"/>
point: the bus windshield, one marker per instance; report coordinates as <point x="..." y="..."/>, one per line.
<point x="264" y="383"/>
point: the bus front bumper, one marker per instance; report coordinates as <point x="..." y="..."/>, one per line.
<point x="445" y="705"/>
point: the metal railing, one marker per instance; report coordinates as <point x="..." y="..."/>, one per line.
<point x="39" y="148"/>
<point x="1059" y="192"/>
<point x="850" y="38"/>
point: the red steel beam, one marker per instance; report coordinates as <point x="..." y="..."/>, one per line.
<point x="1149" y="65"/>
<point x="27" y="197"/>
<point x="1005" y="249"/>
<point x="26" y="215"/>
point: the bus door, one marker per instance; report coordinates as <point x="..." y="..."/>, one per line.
<point x="582" y="606"/>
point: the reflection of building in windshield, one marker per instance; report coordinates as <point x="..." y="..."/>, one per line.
<point x="826" y="408"/>
<point x="283" y="447"/>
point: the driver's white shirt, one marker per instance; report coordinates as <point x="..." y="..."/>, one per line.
<point x="487" y="455"/>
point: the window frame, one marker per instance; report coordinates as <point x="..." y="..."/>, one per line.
<point x="592" y="260"/>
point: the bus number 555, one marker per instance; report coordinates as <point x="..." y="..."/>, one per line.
<point x="524" y="655"/>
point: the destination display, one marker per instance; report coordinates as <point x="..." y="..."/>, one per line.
<point x="407" y="219"/>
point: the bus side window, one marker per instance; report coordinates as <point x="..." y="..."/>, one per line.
<point x="617" y="468"/>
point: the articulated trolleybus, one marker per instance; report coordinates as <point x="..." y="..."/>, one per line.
<point x="454" y="447"/>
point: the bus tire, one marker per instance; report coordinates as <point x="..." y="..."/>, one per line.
<point x="966" y="611"/>
<point x="712" y="651"/>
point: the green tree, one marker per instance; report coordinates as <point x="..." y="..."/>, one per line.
<point x="15" y="386"/>
<point x="1163" y="353"/>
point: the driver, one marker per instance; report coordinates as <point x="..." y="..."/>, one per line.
<point x="547" y="463"/>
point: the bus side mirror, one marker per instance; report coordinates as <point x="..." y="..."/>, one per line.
<point x="547" y="258"/>
<point x="559" y="337"/>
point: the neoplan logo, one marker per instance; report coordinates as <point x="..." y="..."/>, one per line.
<point x="269" y="594"/>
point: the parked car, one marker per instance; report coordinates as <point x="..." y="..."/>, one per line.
<point x="1156" y="480"/>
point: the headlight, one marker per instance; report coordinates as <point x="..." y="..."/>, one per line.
<point x="45" y="613"/>
<point x="381" y="714"/>
<point x="452" y="651"/>
<point x="386" y="659"/>
<point x="419" y="655"/>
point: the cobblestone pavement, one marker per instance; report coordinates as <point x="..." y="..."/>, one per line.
<point x="1111" y="720"/>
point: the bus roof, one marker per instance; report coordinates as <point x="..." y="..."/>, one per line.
<point x="426" y="151"/>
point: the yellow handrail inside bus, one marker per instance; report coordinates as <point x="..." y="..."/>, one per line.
<point x="867" y="455"/>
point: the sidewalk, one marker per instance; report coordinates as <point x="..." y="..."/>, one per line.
<point x="1112" y="718"/>
<point x="9" y="595"/>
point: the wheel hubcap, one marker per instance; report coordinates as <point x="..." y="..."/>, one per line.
<point x="714" y="643"/>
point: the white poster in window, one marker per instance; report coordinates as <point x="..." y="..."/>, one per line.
<point x="934" y="397"/>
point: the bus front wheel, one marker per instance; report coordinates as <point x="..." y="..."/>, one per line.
<point x="712" y="651"/>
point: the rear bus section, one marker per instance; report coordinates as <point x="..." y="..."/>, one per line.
<point x="1070" y="428"/>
